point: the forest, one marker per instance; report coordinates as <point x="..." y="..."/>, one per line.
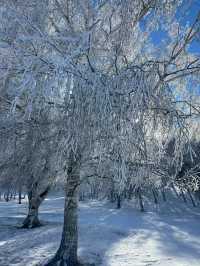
<point x="99" y="132"/>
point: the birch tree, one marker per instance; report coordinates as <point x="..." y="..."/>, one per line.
<point x="105" y="82"/>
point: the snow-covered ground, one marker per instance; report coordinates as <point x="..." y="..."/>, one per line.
<point x="168" y="235"/>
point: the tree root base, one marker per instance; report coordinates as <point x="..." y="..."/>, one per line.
<point x="55" y="262"/>
<point x="27" y="224"/>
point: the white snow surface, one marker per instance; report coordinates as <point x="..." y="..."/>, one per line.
<point x="168" y="235"/>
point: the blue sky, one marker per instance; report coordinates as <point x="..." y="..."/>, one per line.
<point x="188" y="18"/>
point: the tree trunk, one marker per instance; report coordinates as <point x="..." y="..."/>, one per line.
<point x="34" y="201"/>
<point x="191" y="198"/>
<point x="14" y="194"/>
<point x="118" y="201"/>
<point x="32" y="220"/>
<point x="6" y="195"/>
<point x="197" y="194"/>
<point x="130" y="192"/>
<point x="163" y="195"/>
<point x="140" y="200"/>
<point x="20" y="194"/>
<point x="155" y="196"/>
<point x="112" y="193"/>
<point x="183" y="196"/>
<point x="67" y="252"/>
<point x="175" y="191"/>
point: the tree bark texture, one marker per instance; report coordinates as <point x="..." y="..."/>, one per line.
<point x="67" y="252"/>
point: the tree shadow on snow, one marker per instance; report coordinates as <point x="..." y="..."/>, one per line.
<point x="102" y="228"/>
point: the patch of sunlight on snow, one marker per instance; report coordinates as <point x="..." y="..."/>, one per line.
<point x="2" y="243"/>
<point x="50" y="199"/>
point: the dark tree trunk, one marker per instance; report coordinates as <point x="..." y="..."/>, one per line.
<point x="191" y="198"/>
<point x="164" y="195"/>
<point x="130" y="192"/>
<point x="183" y="196"/>
<point x="112" y="193"/>
<point x="118" y="201"/>
<point x="140" y="200"/>
<point x="67" y="252"/>
<point x="32" y="220"/>
<point x="34" y="201"/>
<point x="155" y="196"/>
<point x="6" y="195"/>
<point x="197" y="194"/>
<point x="20" y="195"/>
